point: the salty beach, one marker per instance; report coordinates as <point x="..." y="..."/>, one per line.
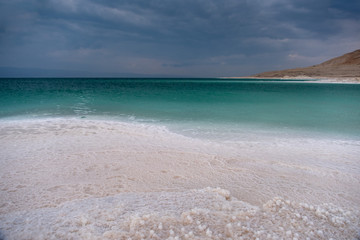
<point x="176" y="120"/>
<point x="71" y="169"/>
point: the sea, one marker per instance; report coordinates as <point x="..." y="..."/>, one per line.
<point x="164" y="158"/>
<point x="210" y="108"/>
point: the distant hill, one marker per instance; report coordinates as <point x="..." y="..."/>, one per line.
<point x="345" y="66"/>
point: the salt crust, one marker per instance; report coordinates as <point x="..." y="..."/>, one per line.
<point x="56" y="175"/>
<point x="210" y="213"/>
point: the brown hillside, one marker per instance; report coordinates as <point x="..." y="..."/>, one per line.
<point x="345" y="66"/>
<point x="352" y="58"/>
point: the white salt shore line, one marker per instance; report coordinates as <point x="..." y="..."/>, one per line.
<point x="307" y="79"/>
<point x="92" y="179"/>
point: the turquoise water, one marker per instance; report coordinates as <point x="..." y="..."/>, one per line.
<point x="198" y="106"/>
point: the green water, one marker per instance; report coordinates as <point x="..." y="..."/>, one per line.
<point x="232" y="104"/>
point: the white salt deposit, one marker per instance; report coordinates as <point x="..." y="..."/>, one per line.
<point x="192" y="214"/>
<point x="87" y="179"/>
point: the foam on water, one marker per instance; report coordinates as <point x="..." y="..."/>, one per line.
<point x="70" y="178"/>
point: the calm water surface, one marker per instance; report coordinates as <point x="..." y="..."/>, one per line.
<point x="196" y="106"/>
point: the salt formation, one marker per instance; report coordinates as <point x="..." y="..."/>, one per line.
<point x="210" y="213"/>
<point x="96" y="179"/>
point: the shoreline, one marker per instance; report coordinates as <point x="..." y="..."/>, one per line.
<point x="245" y="132"/>
<point x="56" y="171"/>
<point x="307" y="79"/>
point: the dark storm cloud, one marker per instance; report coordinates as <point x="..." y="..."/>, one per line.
<point x="175" y="37"/>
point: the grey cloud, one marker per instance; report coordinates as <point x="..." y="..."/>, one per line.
<point x="200" y="37"/>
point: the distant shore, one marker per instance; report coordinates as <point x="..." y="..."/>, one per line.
<point x="342" y="69"/>
<point x="351" y="80"/>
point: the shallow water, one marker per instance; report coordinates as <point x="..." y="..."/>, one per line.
<point x="204" y="107"/>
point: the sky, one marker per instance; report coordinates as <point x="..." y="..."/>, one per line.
<point x="172" y="38"/>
